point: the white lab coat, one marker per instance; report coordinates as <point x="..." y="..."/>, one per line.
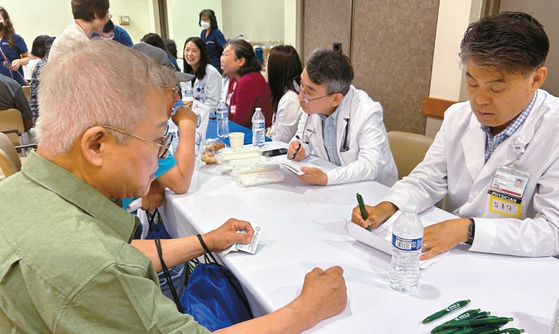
<point x="368" y="156"/>
<point x="455" y="164"/>
<point x="287" y="117"/>
<point x="208" y="90"/>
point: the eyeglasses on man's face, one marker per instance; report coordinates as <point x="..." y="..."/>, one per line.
<point x="164" y="142"/>
<point x="306" y="98"/>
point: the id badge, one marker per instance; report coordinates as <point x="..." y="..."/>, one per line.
<point x="506" y="191"/>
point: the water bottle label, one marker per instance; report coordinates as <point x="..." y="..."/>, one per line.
<point x="257" y="125"/>
<point x="404" y="244"/>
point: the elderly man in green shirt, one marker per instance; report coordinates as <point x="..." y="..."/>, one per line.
<point x="66" y="264"/>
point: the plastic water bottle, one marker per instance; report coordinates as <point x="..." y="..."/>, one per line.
<point x="407" y="239"/>
<point x="174" y="130"/>
<point x="555" y="321"/>
<point x="222" y="121"/>
<point x="258" y="128"/>
<point x="187" y="91"/>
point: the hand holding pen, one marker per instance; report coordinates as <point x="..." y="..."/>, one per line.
<point x="295" y="147"/>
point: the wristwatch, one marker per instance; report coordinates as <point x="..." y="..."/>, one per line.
<point x="471" y="232"/>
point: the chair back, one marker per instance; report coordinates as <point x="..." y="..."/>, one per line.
<point x="27" y="92"/>
<point x="408" y="150"/>
<point x="10" y="162"/>
<point x="11" y="119"/>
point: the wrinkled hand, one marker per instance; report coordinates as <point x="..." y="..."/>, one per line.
<point x="375" y="214"/>
<point x="324" y="293"/>
<point x="313" y="175"/>
<point x="226" y="235"/>
<point x="184" y="113"/>
<point x="444" y="236"/>
<point x="16" y="64"/>
<point x="293" y="147"/>
<point x="154" y="197"/>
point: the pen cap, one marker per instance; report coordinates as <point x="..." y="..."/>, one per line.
<point x="409" y="207"/>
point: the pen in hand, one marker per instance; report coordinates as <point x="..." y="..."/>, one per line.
<point x="362" y="208"/>
<point x="296" y="151"/>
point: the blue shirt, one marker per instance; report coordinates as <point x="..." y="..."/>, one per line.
<point x="491" y="142"/>
<point x="164" y="165"/>
<point x="9" y="54"/>
<point x="329" y="126"/>
<point x="120" y="35"/>
<point x="214" y="44"/>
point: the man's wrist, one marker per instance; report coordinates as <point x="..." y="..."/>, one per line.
<point x="471" y="232"/>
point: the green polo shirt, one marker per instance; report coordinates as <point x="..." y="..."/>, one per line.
<point x="66" y="265"/>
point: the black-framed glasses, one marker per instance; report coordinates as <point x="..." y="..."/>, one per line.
<point x="306" y="98"/>
<point x="163" y="142"/>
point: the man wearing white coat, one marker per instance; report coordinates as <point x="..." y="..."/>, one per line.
<point x="506" y="132"/>
<point x="341" y="124"/>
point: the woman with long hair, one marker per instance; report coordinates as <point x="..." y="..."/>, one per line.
<point x="13" y="50"/>
<point x="212" y="36"/>
<point x="247" y="87"/>
<point x="207" y="84"/>
<point x="282" y="67"/>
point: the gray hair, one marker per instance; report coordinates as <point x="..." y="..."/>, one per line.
<point x="96" y="83"/>
<point x="512" y="42"/>
<point x="331" y="69"/>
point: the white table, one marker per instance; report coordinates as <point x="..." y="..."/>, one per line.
<point x="305" y="226"/>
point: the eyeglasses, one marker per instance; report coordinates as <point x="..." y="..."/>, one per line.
<point x="297" y="86"/>
<point x="164" y="142"/>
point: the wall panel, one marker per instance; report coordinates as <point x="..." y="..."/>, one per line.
<point x="393" y="42"/>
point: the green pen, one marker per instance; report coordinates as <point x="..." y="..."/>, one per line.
<point x="511" y="331"/>
<point x="466" y="315"/>
<point x="474" y="330"/>
<point x="478" y="322"/>
<point x="362" y="208"/>
<point x="453" y="307"/>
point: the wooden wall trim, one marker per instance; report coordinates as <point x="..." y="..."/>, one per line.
<point x="436" y="107"/>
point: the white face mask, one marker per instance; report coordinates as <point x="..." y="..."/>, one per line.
<point x="205" y="25"/>
<point x="108" y="38"/>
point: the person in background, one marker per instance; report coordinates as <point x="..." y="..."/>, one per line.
<point x="342" y="125"/>
<point x="90" y="16"/>
<point x="212" y="36"/>
<point x="156" y="40"/>
<point x="247" y="88"/>
<point x="282" y="66"/>
<point x="116" y="33"/>
<point x="93" y="280"/>
<point x="34" y="84"/>
<point x="506" y="131"/>
<point x="207" y="85"/>
<point x="14" y="53"/>
<point x="12" y="97"/>
<point x="171" y="47"/>
<point x="37" y="53"/>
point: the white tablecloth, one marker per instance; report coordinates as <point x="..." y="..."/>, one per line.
<point x="305" y="226"/>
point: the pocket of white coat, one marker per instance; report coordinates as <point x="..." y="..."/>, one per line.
<point x="349" y="156"/>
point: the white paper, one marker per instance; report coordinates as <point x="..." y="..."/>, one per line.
<point x="249" y="248"/>
<point x="381" y="239"/>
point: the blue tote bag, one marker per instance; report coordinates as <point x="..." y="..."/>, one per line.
<point x="214" y="296"/>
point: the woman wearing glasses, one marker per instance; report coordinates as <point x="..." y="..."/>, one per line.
<point x="247" y="88"/>
<point x="282" y="66"/>
<point x="13" y="50"/>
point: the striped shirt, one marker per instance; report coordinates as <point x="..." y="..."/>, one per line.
<point x="491" y="142"/>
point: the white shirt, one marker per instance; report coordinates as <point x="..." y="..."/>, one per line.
<point x="72" y="35"/>
<point x="287" y="118"/>
<point x="368" y="155"/>
<point x="208" y="90"/>
<point x="455" y="165"/>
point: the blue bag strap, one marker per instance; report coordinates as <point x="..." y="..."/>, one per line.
<point x="242" y="297"/>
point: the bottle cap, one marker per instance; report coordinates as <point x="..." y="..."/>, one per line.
<point x="409" y="207"/>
